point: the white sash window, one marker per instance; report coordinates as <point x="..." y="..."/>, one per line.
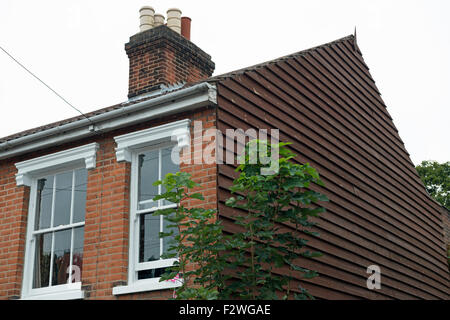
<point x="55" y="230"/>
<point x="153" y="153"/>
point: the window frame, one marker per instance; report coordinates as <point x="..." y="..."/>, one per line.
<point x="129" y="146"/>
<point x="135" y="214"/>
<point x="29" y="172"/>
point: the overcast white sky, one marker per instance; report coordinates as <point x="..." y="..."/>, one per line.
<point x="77" y="47"/>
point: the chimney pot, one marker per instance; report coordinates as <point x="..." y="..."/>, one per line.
<point x="186" y="27"/>
<point x="174" y="19"/>
<point x="159" y="20"/>
<point x="161" y="57"/>
<point x="146" y="17"/>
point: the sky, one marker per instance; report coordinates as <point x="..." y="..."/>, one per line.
<point x="77" y="47"/>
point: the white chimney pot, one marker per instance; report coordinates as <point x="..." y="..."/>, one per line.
<point x="174" y="19"/>
<point x="146" y="18"/>
<point x="159" y="20"/>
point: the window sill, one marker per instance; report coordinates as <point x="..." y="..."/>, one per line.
<point x="66" y="292"/>
<point x="145" y="285"/>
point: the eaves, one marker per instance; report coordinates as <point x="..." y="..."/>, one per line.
<point x="190" y="98"/>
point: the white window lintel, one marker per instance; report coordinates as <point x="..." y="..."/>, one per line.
<point x="83" y="155"/>
<point x="175" y="131"/>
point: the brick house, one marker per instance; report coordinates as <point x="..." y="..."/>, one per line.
<point x="76" y="195"/>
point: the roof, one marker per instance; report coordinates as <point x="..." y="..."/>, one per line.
<point x="90" y="114"/>
<point x="277" y="60"/>
<point x="176" y="88"/>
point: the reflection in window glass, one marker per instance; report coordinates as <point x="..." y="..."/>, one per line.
<point x="77" y="254"/>
<point x="61" y="257"/>
<point x="148" y="174"/>
<point x="42" y="260"/>
<point x="63" y="199"/>
<point x="168" y="241"/>
<point x="149" y="241"/>
<point x="168" y="166"/>
<point x="80" y="195"/>
<point x="44" y="202"/>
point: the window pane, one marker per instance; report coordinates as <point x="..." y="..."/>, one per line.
<point x="148" y="174"/>
<point x="168" y="241"/>
<point x="152" y="273"/>
<point x="149" y="241"/>
<point x="63" y="199"/>
<point x="80" y="195"/>
<point x="44" y="202"/>
<point x="42" y="260"/>
<point x="61" y="257"/>
<point x="168" y="166"/>
<point x="77" y="255"/>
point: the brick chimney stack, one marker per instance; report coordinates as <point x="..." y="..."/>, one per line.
<point x="162" y="54"/>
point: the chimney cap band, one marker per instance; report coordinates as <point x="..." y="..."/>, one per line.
<point x="147" y="8"/>
<point x="174" y="9"/>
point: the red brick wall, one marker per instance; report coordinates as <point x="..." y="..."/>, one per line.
<point x="13" y="220"/>
<point x="106" y="230"/>
<point x="105" y="256"/>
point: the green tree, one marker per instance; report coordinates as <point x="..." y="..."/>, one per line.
<point x="436" y="178"/>
<point x="275" y="210"/>
<point x="197" y="243"/>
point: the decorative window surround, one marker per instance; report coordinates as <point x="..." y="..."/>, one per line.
<point x="81" y="155"/>
<point x="174" y="131"/>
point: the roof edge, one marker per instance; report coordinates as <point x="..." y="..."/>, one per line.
<point x="276" y="60"/>
<point x="186" y="99"/>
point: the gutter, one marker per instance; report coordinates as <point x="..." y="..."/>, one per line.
<point x="197" y="96"/>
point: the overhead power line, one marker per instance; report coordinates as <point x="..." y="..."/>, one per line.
<point x="41" y="81"/>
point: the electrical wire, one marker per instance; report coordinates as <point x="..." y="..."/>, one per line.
<point x="41" y="81"/>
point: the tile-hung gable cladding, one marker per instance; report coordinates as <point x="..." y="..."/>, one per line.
<point x="325" y="101"/>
